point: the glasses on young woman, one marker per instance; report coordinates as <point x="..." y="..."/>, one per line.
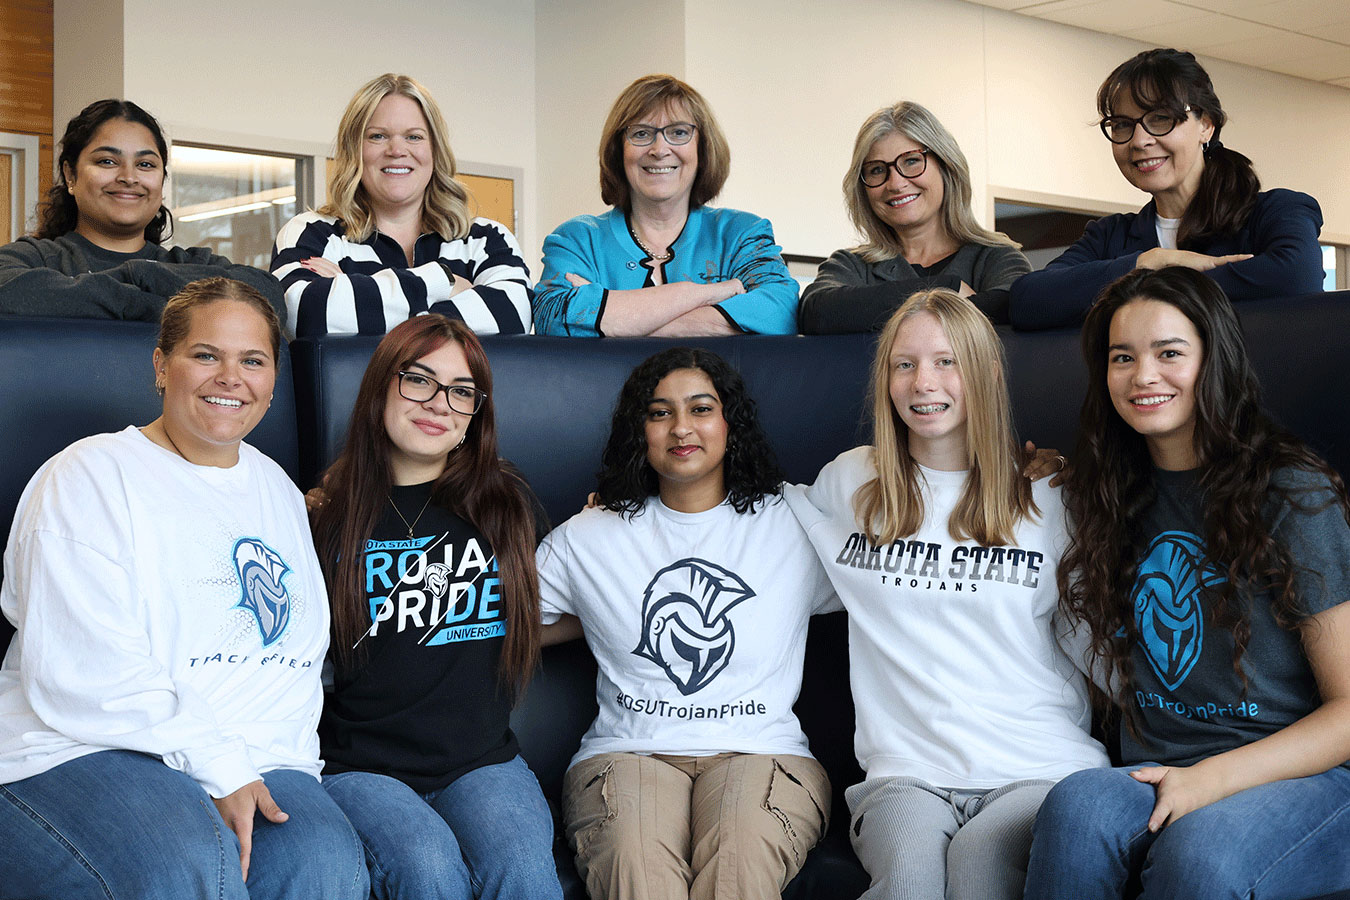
<point x="676" y="134"/>
<point x="419" y="388"/>
<point x="911" y="164"/>
<point x="1157" y="122"/>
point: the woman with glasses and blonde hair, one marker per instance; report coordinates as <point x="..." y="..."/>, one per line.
<point x="1208" y="212"/>
<point x="907" y="190"/>
<point x="427" y="542"/>
<point x="396" y="238"/>
<point x="662" y="262"/>
<point x="944" y="556"/>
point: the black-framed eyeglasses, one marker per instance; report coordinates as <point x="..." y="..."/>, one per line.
<point x="419" y="388"/>
<point x="676" y="133"/>
<point x="1157" y="122"/>
<point x="910" y="164"/>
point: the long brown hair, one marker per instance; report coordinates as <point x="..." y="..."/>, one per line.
<point x="1240" y="452"/>
<point x="475" y="485"/>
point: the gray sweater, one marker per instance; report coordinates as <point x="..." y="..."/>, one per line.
<point x="853" y="295"/>
<point x="70" y="277"/>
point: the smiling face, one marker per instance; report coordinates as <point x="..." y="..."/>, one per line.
<point x="1153" y="365"/>
<point x="1168" y="167"/>
<point x="421" y="435"/>
<point x="660" y="173"/>
<point x="118" y="185"/>
<point x="396" y="157"/>
<point x="687" y="440"/>
<point x="928" y="393"/>
<point x="217" y="382"/>
<point x="906" y="204"/>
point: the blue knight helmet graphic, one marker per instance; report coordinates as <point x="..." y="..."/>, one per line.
<point x="685" y="628"/>
<point x="261" y="591"/>
<point x="1167" y="609"/>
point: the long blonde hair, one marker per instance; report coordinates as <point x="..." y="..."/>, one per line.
<point x="921" y="126"/>
<point x="996" y="496"/>
<point x="445" y="209"/>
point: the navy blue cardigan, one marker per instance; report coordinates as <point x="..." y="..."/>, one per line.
<point x="1281" y="233"/>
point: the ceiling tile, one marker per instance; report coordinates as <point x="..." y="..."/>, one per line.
<point x="1317" y="68"/>
<point x="1279" y="46"/>
<point x="1194" y="34"/>
<point x="1338" y="33"/>
<point x="1228" y="7"/>
<point x="1112" y="17"/>
<point x="1306" y="16"/>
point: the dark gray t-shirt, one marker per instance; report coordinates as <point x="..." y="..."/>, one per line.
<point x="1189" y="702"/>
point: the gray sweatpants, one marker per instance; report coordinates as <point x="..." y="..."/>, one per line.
<point x="919" y="842"/>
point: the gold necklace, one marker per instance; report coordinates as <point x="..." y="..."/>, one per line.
<point x="401" y="516"/>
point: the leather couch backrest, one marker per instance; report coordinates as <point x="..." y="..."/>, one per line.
<point x="65" y="379"/>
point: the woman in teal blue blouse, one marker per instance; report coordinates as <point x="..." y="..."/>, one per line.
<point x="661" y="262"/>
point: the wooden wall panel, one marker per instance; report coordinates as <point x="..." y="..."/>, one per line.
<point x="26" y="66"/>
<point x="6" y="166"/>
<point x="26" y="82"/>
<point x="46" y="153"/>
<point x="492" y="197"/>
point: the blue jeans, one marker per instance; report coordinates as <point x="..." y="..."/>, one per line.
<point x="1280" y="841"/>
<point x="118" y="825"/>
<point x="487" y="834"/>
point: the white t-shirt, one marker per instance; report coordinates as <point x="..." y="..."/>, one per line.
<point x="1167" y="232"/>
<point x="164" y="607"/>
<point x="958" y="678"/>
<point x="697" y="621"/>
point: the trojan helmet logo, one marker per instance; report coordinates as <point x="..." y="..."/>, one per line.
<point x="685" y="629"/>
<point x="1167" y="610"/>
<point x="260" y="573"/>
<point x="436" y="578"/>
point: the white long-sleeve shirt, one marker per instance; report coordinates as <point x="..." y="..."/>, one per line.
<point x="164" y="607"/>
<point x="958" y="676"/>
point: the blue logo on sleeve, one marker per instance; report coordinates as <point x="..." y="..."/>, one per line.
<point x="685" y="628"/>
<point x="262" y="593"/>
<point x="1167" y="609"/>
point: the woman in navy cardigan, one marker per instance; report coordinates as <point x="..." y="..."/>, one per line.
<point x="1208" y="211"/>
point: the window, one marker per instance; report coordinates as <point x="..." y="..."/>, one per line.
<point x="1330" y="258"/>
<point x="233" y="201"/>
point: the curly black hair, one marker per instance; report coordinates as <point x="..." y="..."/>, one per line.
<point x="750" y="469"/>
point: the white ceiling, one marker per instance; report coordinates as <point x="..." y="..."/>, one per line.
<point x="1306" y="38"/>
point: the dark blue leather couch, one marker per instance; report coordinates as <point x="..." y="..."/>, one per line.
<point x="64" y="379"/>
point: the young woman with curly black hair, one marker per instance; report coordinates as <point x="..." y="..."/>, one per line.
<point x="1210" y="562"/>
<point x="693" y="585"/>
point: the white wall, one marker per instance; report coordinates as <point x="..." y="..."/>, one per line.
<point x="791" y="81"/>
<point x="527" y="83"/>
<point x="590" y="50"/>
<point x="286" y="71"/>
